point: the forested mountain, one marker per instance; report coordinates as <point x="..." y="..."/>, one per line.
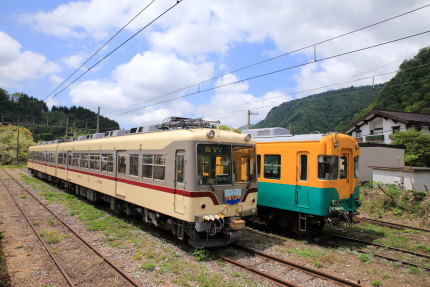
<point x="48" y="125"/>
<point x="328" y="111"/>
<point x="408" y="91"/>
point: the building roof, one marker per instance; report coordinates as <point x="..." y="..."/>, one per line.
<point x="403" y="117"/>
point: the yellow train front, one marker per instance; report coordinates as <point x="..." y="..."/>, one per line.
<point x="305" y="181"/>
<point x="197" y="182"/>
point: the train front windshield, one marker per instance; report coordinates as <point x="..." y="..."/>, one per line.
<point x="225" y="164"/>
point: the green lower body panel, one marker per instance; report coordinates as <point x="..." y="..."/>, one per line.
<point x="304" y="199"/>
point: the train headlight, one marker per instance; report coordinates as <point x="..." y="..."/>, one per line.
<point x="335" y="202"/>
<point x="211" y="134"/>
<point x="248" y="137"/>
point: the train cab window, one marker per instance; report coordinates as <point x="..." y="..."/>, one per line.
<point x="75" y="159"/>
<point x="303" y="167"/>
<point x="121" y="163"/>
<point x="356" y="166"/>
<point x="214" y="164"/>
<point x="343" y="169"/>
<point x="243" y="164"/>
<point x="272" y="166"/>
<point x="328" y="167"/>
<point x="134" y="164"/>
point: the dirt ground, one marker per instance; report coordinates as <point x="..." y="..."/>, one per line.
<point x="25" y="263"/>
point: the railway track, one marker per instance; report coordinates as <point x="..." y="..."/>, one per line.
<point x="297" y="275"/>
<point x="393" y="225"/>
<point x="74" y="257"/>
<point x="384" y="247"/>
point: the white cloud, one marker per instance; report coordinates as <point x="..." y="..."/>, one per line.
<point x="74" y="61"/>
<point x="17" y="65"/>
<point x="145" y="77"/>
<point x="231" y="103"/>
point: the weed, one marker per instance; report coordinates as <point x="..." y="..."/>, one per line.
<point x="234" y="274"/>
<point x="414" y="270"/>
<point x="376" y="283"/>
<point x="318" y="265"/>
<point x="19" y="246"/>
<point x="230" y="252"/>
<point x="147" y="266"/>
<point x="50" y="236"/>
<point x="1" y="235"/>
<point x="22" y="196"/>
<point x="201" y="254"/>
<point x="306" y="253"/>
<point x="365" y="257"/>
<point x="138" y="255"/>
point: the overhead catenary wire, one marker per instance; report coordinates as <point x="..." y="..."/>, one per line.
<point x="276" y="57"/>
<point x="276" y="71"/>
<point x="115" y="49"/>
<point x="99" y="49"/>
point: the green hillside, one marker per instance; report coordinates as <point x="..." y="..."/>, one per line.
<point x="408" y="91"/>
<point x="328" y="111"/>
<point x="47" y="125"/>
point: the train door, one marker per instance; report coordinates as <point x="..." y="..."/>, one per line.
<point x="120" y="169"/>
<point x="68" y="164"/>
<point x="179" y="182"/>
<point x="346" y="177"/>
<point x="302" y="192"/>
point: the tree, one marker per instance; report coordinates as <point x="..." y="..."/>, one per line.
<point x="8" y="143"/>
<point x="417" y="146"/>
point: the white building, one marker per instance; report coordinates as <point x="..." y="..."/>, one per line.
<point x="378" y="125"/>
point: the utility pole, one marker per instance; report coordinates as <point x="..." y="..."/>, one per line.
<point x="67" y="126"/>
<point x="17" y="147"/>
<point x="249" y="118"/>
<point x="98" y="119"/>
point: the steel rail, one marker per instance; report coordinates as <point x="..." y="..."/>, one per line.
<point x="384" y="223"/>
<point x="305" y="269"/>
<point x="266" y="276"/>
<point x="118" y="270"/>
<point x="381" y="245"/>
<point x="56" y="262"/>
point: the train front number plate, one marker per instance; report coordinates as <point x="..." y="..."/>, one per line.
<point x="232" y="196"/>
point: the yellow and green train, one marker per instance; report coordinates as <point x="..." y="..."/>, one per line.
<point x="305" y="181"/>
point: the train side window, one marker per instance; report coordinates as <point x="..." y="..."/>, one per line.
<point x="110" y="162"/>
<point x="258" y="165"/>
<point x="84" y="160"/>
<point x="272" y="166"/>
<point x="303" y="167"/>
<point x="69" y="158"/>
<point x="92" y="161"/>
<point x="104" y="162"/>
<point x="356" y="166"/>
<point x="147" y="164"/>
<point x="121" y="163"/>
<point x="328" y="167"/>
<point x="97" y="162"/>
<point x="75" y="159"/>
<point x="343" y="170"/>
<point x="159" y="167"/>
<point x="134" y="165"/>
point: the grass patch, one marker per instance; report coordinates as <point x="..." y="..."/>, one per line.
<point x="306" y="253"/>
<point x="147" y="266"/>
<point x="364" y="257"/>
<point x="376" y="283"/>
<point x="51" y="236"/>
<point x="22" y="196"/>
<point x="201" y="254"/>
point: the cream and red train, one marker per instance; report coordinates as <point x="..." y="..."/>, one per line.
<point x="197" y="182"/>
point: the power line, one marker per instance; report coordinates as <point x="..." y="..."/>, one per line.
<point x="279" y="56"/>
<point x="114" y="50"/>
<point x="277" y="71"/>
<point x="104" y="45"/>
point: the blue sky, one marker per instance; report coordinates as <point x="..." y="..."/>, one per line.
<point x="43" y="42"/>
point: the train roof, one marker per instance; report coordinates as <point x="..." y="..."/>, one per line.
<point x="290" y="138"/>
<point x="150" y="140"/>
